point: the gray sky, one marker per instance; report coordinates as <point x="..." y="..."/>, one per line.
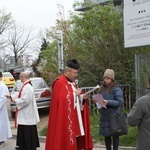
<point x="38" y="13"/>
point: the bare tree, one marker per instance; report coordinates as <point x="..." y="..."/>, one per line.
<point x="19" y="40"/>
<point x="5" y="23"/>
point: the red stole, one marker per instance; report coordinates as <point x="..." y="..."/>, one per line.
<point x="85" y="142"/>
<point x="19" y="95"/>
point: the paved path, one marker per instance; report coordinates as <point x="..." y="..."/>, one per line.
<point x="11" y="143"/>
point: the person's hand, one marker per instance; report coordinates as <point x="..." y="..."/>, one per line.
<point x="85" y="96"/>
<point x="105" y="102"/>
<point x="77" y="91"/>
<point x="7" y="96"/>
<point x="94" y="100"/>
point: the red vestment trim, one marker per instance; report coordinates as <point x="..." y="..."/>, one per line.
<point x="19" y="95"/>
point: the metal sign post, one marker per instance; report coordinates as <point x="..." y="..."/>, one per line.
<point x="60" y="53"/>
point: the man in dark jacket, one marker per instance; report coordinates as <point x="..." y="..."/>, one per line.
<point x="140" y="116"/>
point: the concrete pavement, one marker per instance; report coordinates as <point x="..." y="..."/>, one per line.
<point x="11" y="143"/>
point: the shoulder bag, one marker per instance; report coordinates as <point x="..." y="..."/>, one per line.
<point x="118" y="124"/>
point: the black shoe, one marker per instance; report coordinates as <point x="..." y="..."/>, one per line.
<point x="17" y="148"/>
<point x="1" y="144"/>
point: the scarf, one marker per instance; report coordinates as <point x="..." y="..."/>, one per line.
<point x="19" y="96"/>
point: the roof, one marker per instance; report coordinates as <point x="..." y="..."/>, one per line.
<point x="97" y="2"/>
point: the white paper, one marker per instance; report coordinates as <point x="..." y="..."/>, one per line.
<point x="92" y="90"/>
<point x="99" y="99"/>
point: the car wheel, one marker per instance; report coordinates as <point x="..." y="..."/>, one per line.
<point x="12" y="114"/>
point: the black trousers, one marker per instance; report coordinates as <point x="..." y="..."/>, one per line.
<point x="27" y="137"/>
<point x="109" y="140"/>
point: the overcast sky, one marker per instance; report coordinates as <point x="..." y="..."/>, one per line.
<point x="40" y="14"/>
<point x="37" y="13"/>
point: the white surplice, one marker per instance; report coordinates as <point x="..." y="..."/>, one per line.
<point x="5" y="130"/>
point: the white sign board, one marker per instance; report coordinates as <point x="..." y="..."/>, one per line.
<point x="136" y="15"/>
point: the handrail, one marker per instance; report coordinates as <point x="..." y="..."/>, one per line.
<point x="126" y="94"/>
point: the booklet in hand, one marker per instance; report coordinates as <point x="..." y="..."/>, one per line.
<point x="99" y="99"/>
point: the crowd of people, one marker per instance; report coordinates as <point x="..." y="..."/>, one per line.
<point x="69" y="118"/>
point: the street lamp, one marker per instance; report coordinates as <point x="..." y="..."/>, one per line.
<point x="60" y="53"/>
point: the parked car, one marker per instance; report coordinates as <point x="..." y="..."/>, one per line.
<point x="8" y="79"/>
<point x="41" y="90"/>
<point x="16" y="72"/>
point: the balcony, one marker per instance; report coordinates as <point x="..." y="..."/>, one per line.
<point x="97" y="2"/>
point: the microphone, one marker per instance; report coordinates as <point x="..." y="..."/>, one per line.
<point x="76" y="82"/>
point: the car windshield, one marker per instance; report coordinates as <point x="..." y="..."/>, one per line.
<point x="36" y="83"/>
<point x="17" y="70"/>
<point x="29" y="69"/>
<point x="7" y="75"/>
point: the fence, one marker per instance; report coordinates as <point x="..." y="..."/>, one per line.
<point x="126" y="95"/>
<point x="142" y="76"/>
<point x="142" y="72"/>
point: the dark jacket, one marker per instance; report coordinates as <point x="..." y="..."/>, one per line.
<point x="115" y="100"/>
<point x="140" y="116"/>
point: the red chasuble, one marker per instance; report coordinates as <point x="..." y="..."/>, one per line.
<point x="63" y="126"/>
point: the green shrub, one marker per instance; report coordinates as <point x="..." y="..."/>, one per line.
<point x="43" y="131"/>
<point x="130" y="138"/>
<point x="125" y="140"/>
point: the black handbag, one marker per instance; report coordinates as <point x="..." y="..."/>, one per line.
<point x="118" y="124"/>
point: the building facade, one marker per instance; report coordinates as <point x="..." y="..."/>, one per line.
<point x="9" y="61"/>
<point x="99" y="2"/>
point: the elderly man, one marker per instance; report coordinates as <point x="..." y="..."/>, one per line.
<point x="27" y="115"/>
<point x="69" y="125"/>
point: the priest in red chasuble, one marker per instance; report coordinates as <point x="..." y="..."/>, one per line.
<point x="69" y="122"/>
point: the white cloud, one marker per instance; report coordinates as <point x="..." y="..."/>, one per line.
<point x="39" y="13"/>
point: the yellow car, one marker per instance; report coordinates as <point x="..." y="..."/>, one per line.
<point x="8" y="79"/>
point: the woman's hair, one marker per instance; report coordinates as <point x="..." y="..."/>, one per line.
<point x="110" y="86"/>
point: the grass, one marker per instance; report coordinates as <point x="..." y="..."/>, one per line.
<point x="125" y="140"/>
<point x="130" y="138"/>
<point x="43" y="131"/>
